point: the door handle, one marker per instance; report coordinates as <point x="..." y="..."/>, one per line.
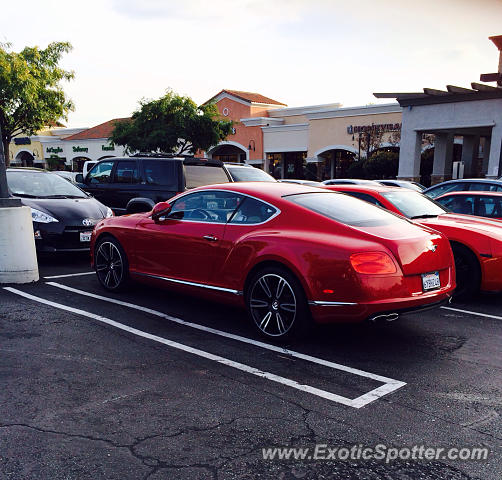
<point x="210" y="238"/>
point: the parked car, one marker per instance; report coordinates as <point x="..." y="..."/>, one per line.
<point x="349" y="181"/>
<point x="476" y="241"/>
<point x="135" y="184"/>
<point x="287" y="252"/>
<point x="471" y="184"/>
<point x="63" y="215"/>
<point x="311" y="183"/>
<point x="70" y="176"/>
<point x="482" y="204"/>
<point x="403" y="184"/>
<point x="241" y="172"/>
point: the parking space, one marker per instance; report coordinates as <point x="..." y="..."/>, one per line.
<point x="154" y="384"/>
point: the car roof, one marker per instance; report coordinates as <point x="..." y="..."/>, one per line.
<point x="471" y="192"/>
<point x="267" y="191"/>
<point x="465" y="180"/>
<point x="365" y="188"/>
<point x="28" y="169"/>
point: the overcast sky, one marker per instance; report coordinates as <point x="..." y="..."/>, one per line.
<point x="300" y="52"/>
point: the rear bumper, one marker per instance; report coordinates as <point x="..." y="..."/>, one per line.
<point x="360" y="312"/>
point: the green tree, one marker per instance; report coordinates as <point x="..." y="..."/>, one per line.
<point x="382" y="165"/>
<point x="171" y="124"/>
<point x="31" y="96"/>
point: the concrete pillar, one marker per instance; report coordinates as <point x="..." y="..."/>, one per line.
<point x="409" y="155"/>
<point x="18" y="257"/>
<point x="443" y="158"/>
<point x="470" y="150"/>
<point x="495" y="152"/>
<point x="486" y="155"/>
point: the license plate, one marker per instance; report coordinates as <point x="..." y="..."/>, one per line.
<point x="430" y="281"/>
<point x="85" y="236"/>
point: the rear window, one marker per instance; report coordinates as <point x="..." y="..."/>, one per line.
<point x="199" y="175"/>
<point x="344" y="209"/>
<point x="161" y="173"/>
<point x="249" y="174"/>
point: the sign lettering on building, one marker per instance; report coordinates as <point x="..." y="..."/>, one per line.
<point x="54" y="150"/>
<point x="22" y="141"/>
<point x="80" y="149"/>
<point x="108" y="148"/>
<point x="379" y="127"/>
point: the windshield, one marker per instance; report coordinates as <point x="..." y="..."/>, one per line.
<point x="249" y="174"/>
<point x="344" y="209"/>
<point x="413" y="204"/>
<point x="41" y="185"/>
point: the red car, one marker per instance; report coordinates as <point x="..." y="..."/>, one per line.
<point x="476" y="241"/>
<point x="482" y="204"/>
<point x="289" y="253"/>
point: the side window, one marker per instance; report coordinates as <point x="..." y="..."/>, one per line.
<point x="127" y="172"/>
<point x="252" y="211"/>
<point x="101" y="173"/>
<point x="366" y="197"/>
<point x="207" y="206"/>
<point x="459" y="204"/>
<point x="489" y="207"/>
<point x="482" y="187"/>
<point x="162" y="173"/>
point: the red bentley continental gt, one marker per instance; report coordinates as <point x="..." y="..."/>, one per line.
<point x="476" y="241"/>
<point x="289" y="253"/>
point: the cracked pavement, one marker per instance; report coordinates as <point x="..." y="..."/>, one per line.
<point x="82" y="400"/>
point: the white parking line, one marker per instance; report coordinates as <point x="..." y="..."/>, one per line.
<point x="469" y="312"/>
<point x="216" y="358"/>
<point x="69" y="275"/>
<point x="389" y="386"/>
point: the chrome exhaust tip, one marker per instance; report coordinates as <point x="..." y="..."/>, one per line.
<point x="385" y="317"/>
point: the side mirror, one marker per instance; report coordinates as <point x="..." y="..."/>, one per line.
<point x="161" y="210"/>
<point x="79" y="178"/>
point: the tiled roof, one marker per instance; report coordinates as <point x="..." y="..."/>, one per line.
<point x="249" y="97"/>
<point x="99" y="131"/>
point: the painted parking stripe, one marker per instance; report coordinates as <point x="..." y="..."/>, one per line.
<point x="469" y="312"/>
<point x="389" y="386"/>
<point x="195" y="351"/>
<point x="69" y="275"/>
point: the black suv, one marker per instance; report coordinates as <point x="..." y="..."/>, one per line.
<point x="135" y="184"/>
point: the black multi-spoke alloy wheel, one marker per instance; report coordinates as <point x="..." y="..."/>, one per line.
<point x="277" y="304"/>
<point x="110" y="263"/>
<point x="468" y="275"/>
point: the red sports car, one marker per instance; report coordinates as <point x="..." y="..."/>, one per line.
<point x="476" y="241"/>
<point x="289" y="253"/>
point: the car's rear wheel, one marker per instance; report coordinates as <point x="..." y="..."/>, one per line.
<point x="277" y="304"/>
<point x="468" y="275"/>
<point x="111" y="265"/>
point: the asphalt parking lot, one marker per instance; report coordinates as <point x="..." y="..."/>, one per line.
<point x="152" y="384"/>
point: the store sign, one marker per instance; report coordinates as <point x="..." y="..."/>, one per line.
<point x="54" y="150"/>
<point x="22" y="141"/>
<point x="108" y="148"/>
<point x="80" y="149"/>
<point x="379" y="127"/>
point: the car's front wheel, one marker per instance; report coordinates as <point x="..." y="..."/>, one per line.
<point x="110" y="263"/>
<point x="277" y="303"/>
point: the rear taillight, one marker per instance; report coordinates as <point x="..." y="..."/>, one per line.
<point x="373" y="263"/>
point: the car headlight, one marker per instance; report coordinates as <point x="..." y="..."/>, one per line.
<point x="41" y="217"/>
<point x="109" y="212"/>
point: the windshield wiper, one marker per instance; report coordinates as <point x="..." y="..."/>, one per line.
<point x="427" y="215"/>
<point x="24" y="195"/>
<point x="61" y="196"/>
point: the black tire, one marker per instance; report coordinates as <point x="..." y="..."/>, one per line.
<point x="468" y="273"/>
<point x="277" y="304"/>
<point x="110" y="264"/>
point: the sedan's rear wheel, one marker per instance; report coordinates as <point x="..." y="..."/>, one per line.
<point x="110" y="263"/>
<point x="277" y="304"/>
<point x="468" y="274"/>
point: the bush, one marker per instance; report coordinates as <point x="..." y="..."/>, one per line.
<point x="382" y="165"/>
